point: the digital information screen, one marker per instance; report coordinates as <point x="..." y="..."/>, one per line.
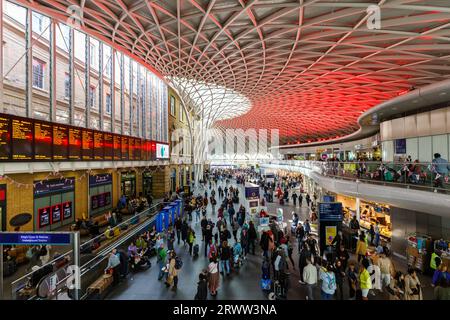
<point x="67" y="210"/>
<point x="44" y="217"/>
<point x="42" y="141"/>
<point x="108" y="146"/>
<point x="75" y="140"/>
<point x="124" y="148"/>
<point x="22" y="139"/>
<point x="131" y="148"/>
<point x="56" y="213"/>
<point x="98" y="145"/>
<point x="87" y="145"/>
<point x="5" y="139"/>
<point x="21" y="238"/>
<point x="145" y="150"/>
<point x="117" y="147"/>
<point x="137" y="149"/>
<point x="60" y="142"/>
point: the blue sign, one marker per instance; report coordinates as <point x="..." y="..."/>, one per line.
<point x="330" y="211"/>
<point x="42" y="188"/>
<point x="252" y="192"/>
<point x="328" y="198"/>
<point x="100" y="179"/>
<point x="400" y="146"/>
<point x="19" y="238"/>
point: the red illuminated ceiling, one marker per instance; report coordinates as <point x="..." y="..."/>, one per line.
<point x="309" y="67"/>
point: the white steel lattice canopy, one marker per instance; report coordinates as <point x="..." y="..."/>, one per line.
<point x="308" y="67"/>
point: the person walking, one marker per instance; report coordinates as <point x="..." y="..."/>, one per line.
<point x="339" y="274"/>
<point x="294" y="198"/>
<point x="202" y="287"/>
<point x="114" y="266"/>
<point x="300" y="200"/>
<point x="365" y="282"/>
<point x="234" y="228"/>
<point x="413" y="288"/>
<point x="190" y="239"/>
<point x="172" y="277"/>
<point x="309" y="276"/>
<point x="352" y="276"/>
<point x="328" y="278"/>
<point x="203" y="225"/>
<point x="184" y="231"/>
<point x="308" y="200"/>
<point x="252" y="236"/>
<point x="225" y="255"/>
<point x="161" y="258"/>
<point x="213" y="276"/>
<point x="178" y="224"/>
<point x="361" y="248"/>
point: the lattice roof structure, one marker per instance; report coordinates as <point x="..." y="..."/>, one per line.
<point x="307" y="67"/>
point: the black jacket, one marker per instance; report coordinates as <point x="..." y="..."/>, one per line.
<point x="202" y="290"/>
<point x="225" y="253"/>
<point x="252" y="233"/>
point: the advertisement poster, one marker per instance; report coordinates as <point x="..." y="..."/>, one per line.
<point x="280" y="215"/>
<point x="44" y="217"/>
<point x="56" y="213"/>
<point x="67" y="210"/>
<point x="330" y="233"/>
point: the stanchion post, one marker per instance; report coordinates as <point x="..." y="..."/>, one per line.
<point x="76" y="261"/>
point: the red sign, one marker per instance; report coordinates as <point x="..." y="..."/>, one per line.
<point x="44" y="217"/>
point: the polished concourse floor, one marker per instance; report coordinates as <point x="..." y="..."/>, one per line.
<point x="241" y="285"/>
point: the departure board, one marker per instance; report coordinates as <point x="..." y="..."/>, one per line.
<point x="124" y="148"/>
<point x="108" y="146"/>
<point x="137" y="149"/>
<point x="5" y="137"/>
<point x="98" y="145"/>
<point x="131" y="148"/>
<point x="147" y="150"/>
<point x="22" y="139"/>
<point x="60" y="142"/>
<point x="42" y="140"/>
<point x="75" y="140"/>
<point x="87" y="145"/>
<point x="117" y="147"/>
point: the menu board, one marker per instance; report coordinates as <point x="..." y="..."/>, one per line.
<point x="131" y="148"/>
<point x="117" y="147"/>
<point x="137" y="149"/>
<point x="22" y="139"/>
<point x="56" y="213"/>
<point x="108" y="146"/>
<point x="44" y="217"/>
<point x="60" y="142"/>
<point x="75" y="139"/>
<point x="87" y="145"/>
<point x="42" y="141"/>
<point x="67" y="210"/>
<point x="5" y="149"/>
<point x="124" y="148"/>
<point x="98" y="145"/>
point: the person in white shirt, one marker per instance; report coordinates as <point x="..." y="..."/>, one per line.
<point x="310" y="278"/>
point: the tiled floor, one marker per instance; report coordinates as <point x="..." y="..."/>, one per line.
<point x="243" y="284"/>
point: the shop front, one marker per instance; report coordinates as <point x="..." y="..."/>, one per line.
<point x="54" y="203"/>
<point x="100" y="193"/>
<point x="147" y="183"/>
<point x="128" y="183"/>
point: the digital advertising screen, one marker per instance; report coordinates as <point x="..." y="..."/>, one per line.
<point x="137" y="149"/>
<point x="145" y="155"/>
<point x="162" y="151"/>
<point x="56" y="213"/>
<point x="124" y="141"/>
<point x="22" y="139"/>
<point x="44" y="217"/>
<point x="117" y="147"/>
<point x="60" y="142"/>
<point x="131" y="148"/>
<point x="5" y="138"/>
<point x="67" y="210"/>
<point x="108" y="146"/>
<point x="43" y="140"/>
<point x="75" y="140"/>
<point x="87" y="145"/>
<point x="98" y="145"/>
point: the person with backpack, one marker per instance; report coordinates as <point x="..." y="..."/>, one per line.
<point x="190" y="239"/>
<point x="174" y="266"/>
<point x="328" y="278"/>
<point x="225" y="255"/>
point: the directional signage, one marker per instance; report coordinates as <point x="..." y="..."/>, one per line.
<point x="330" y="211"/>
<point x="30" y="238"/>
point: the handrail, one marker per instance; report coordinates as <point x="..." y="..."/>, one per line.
<point x="123" y="223"/>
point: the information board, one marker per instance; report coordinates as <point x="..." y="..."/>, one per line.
<point x="24" y="238"/>
<point x="108" y="144"/>
<point x="328" y="198"/>
<point x="87" y="145"/>
<point x="56" y="213"/>
<point x="67" y="210"/>
<point x="125" y="151"/>
<point x="60" y="142"/>
<point x="43" y="139"/>
<point x="137" y="149"/>
<point x="117" y="147"/>
<point x="5" y="138"/>
<point x="75" y="141"/>
<point x="99" y="151"/>
<point x="43" y="188"/>
<point x="22" y="139"/>
<point x="330" y="211"/>
<point x="131" y="148"/>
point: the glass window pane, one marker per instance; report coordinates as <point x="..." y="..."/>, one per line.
<point x="62" y="72"/>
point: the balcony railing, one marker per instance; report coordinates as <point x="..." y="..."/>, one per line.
<point x="428" y="176"/>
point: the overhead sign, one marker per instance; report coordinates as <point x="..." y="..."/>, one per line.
<point x="24" y="238"/>
<point x="162" y="151"/>
<point x="252" y="192"/>
<point x="100" y="179"/>
<point x="54" y="185"/>
<point x="330" y="211"/>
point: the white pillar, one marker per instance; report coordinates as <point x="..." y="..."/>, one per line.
<point x="358" y="209"/>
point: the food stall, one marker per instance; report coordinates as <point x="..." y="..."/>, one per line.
<point x="371" y="213"/>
